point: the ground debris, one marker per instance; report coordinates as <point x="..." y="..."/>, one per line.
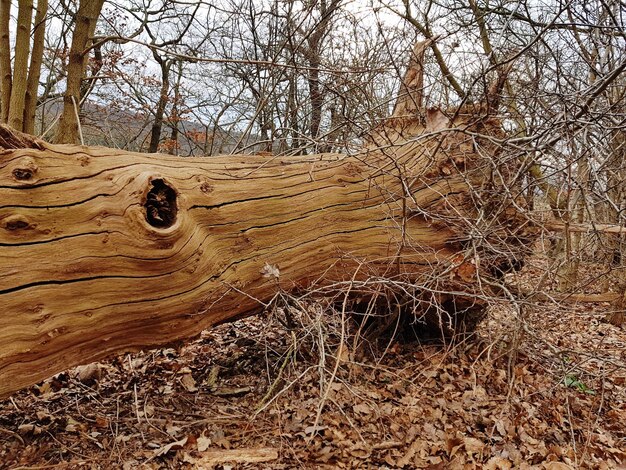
<point x="545" y="391"/>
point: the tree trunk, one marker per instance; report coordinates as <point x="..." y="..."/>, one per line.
<point x="157" y="125"/>
<point x="617" y="316"/>
<point x="175" y="114"/>
<point x="617" y="194"/>
<point x="317" y="98"/>
<point x="34" y="70"/>
<point x="104" y="251"/>
<point x="20" y="64"/>
<point x="313" y="55"/>
<point x="292" y="116"/>
<point x="86" y="19"/>
<point x="5" y="60"/>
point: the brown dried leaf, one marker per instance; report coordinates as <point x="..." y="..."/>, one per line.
<point x="24" y="429"/>
<point x="556" y="466"/>
<point x="362" y="408"/>
<point x="473" y="445"/>
<point x="188" y="382"/>
<point x="89" y="373"/>
<point x="172" y="445"/>
<point x="498" y="463"/>
<point x="270" y="271"/>
<point x="203" y="442"/>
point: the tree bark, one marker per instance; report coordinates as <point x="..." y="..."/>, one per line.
<point x="20" y="64"/>
<point x="86" y="19"/>
<point x="617" y="316"/>
<point x="34" y="70"/>
<point x="5" y="60"/>
<point x="159" y="115"/>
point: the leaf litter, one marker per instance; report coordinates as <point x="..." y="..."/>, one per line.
<point x="541" y="387"/>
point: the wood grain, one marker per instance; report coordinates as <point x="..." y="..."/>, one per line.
<point x="104" y="251"/>
<point x="84" y="274"/>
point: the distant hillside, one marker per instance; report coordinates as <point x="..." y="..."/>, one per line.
<point x="112" y="126"/>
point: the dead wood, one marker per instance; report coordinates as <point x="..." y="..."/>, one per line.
<point x="104" y="251"/>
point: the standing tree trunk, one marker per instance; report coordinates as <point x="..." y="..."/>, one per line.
<point x="86" y="19"/>
<point x="5" y="60"/>
<point x="34" y="70"/>
<point x="159" y="114"/>
<point x="313" y="55"/>
<point x="292" y="115"/>
<point x="20" y="64"/>
<point x="175" y="117"/>
<point x="617" y="316"/>
<point x="617" y="209"/>
<point x="19" y="86"/>
<point x="317" y="99"/>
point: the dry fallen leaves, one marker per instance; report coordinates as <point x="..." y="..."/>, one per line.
<point x="423" y="406"/>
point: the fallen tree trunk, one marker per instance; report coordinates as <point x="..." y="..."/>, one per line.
<point x="554" y="226"/>
<point x="104" y="251"/>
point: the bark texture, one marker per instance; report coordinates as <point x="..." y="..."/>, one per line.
<point x="86" y="19"/>
<point x="159" y="114"/>
<point x="6" y="73"/>
<point x="34" y="69"/>
<point x="20" y="64"/>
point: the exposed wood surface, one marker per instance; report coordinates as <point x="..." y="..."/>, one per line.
<point x="84" y="273"/>
<point x="410" y="96"/>
<point x="555" y="226"/>
<point x="104" y="251"/>
<point x="213" y="457"/>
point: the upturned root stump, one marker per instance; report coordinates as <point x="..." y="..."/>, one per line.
<point x="104" y="251"/>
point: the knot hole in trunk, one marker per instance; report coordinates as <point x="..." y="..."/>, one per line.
<point x="160" y="204"/>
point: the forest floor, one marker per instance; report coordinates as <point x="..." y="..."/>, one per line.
<point x="545" y="392"/>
